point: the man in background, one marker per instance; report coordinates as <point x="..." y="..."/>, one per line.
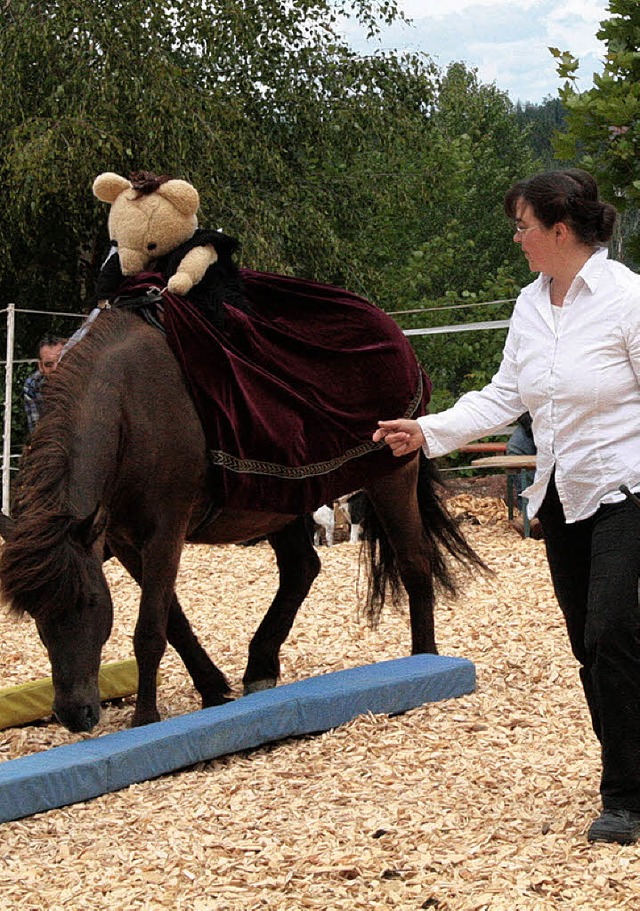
<point x="49" y="351"/>
<point x="521" y="442"/>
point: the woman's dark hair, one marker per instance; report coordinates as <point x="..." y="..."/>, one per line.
<point x="570" y="196"/>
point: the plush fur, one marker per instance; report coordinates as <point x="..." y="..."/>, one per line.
<point x="153" y="225"/>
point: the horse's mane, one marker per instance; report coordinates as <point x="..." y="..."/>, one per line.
<point x="45" y="461"/>
<point x="43" y="564"/>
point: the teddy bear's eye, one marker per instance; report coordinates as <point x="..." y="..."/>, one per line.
<point x="151" y="246"/>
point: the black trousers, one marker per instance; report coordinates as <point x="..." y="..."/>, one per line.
<point x="595" y="566"/>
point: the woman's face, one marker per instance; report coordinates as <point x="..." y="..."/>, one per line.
<point x="539" y="244"/>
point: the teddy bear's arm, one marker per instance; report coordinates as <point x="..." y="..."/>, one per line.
<point x="192" y="269"/>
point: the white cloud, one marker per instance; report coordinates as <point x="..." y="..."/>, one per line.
<point x="507" y="42"/>
<point x="436" y="9"/>
<point x="573" y="25"/>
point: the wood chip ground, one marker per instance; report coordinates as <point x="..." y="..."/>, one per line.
<point x="474" y="804"/>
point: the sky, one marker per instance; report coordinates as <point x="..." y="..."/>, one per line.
<point x="507" y="41"/>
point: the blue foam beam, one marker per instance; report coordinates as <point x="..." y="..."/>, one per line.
<point x="80" y="771"/>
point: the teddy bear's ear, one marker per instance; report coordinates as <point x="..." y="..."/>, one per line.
<point x="182" y="195"/>
<point x="108" y="186"/>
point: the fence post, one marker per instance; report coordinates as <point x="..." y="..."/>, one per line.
<point x="8" y="397"/>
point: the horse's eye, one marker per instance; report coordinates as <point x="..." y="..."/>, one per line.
<point x="151" y="246"/>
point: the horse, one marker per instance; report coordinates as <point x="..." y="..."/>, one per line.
<point x="117" y="465"/>
<point x="354" y="510"/>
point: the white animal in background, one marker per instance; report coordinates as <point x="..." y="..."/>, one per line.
<point x="352" y="507"/>
<point x="324" y="520"/>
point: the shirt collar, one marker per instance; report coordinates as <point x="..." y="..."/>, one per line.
<point x="592" y="270"/>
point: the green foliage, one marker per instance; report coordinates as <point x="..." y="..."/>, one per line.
<point x="539" y="122"/>
<point x="467" y="256"/>
<point x="18" y="417"/>
<point x="477" y="154"/>
<point x="603" y="123"/>
<point x="460" y="361"/>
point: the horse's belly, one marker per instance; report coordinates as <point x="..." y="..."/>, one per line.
<point x="235" y="526"/>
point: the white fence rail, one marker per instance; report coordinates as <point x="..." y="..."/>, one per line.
<point x="11" y="310"/>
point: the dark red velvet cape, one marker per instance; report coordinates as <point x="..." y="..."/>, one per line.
<point x="289" y="390"/>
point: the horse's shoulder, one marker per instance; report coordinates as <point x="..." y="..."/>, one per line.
<point x="132" y="339"/>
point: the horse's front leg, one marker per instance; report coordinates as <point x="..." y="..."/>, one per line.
<point x="298" y="566"/>
<point x="160" y="562"/>
<point x="208" y="679"/>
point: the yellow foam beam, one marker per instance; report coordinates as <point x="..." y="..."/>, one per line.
<point x="32" y="701"/>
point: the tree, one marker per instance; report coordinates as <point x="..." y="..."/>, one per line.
<point x="467" y="254"/>
<point x="603" y="123"/>
<point x="541" y="121"/>
<point x="480" y="154"/>
<point x="257" y="103"/>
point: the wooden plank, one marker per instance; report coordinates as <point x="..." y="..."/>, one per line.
<point x="506" y="461"/>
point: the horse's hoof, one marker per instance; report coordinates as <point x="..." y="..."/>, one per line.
<point x="139" y="721"/>
<point x="256" y="686"/>
<point x="212" y="701"/>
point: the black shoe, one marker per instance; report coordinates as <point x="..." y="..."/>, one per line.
<point x="621" y="826"/>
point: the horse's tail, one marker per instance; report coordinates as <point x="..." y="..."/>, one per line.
<point x="442" y="538"/>
<point x="43" y="566"/>
<point x="442" y="529"/>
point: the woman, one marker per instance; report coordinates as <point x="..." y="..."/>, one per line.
<point x="572" y="359"/>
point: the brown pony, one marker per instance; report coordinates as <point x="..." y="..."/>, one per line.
<point x="118" y="463"/>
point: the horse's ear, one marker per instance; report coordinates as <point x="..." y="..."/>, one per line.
<point x="87" y="531"/>
<point x="7" y="526"/>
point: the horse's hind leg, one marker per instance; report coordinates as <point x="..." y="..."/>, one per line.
<point x="395" y="501"/>
<point x="208" y="679"/>
<point x="298" y="566"/>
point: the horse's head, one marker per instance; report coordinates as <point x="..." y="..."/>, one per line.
<point x="74" y="638"/>
<point x="54" y="573"/>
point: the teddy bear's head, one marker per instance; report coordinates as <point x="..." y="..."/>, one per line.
<point x="150" y="216"/>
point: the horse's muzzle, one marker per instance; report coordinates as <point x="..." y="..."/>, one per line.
<point x="78" y="719"/>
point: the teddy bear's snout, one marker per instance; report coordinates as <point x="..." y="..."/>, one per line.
<point x="132" y="261"/>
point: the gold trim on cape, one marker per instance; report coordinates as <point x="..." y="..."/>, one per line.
<point x="257" y="466"/>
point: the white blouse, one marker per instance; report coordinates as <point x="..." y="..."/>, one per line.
<point x="580" y="381"/>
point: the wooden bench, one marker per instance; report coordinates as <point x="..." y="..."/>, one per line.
<point x="484" y="447"/>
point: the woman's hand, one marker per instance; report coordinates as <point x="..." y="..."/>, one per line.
<point x="401" y="436"/>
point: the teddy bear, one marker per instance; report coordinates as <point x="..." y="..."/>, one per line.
<point x="153" y="226"/>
